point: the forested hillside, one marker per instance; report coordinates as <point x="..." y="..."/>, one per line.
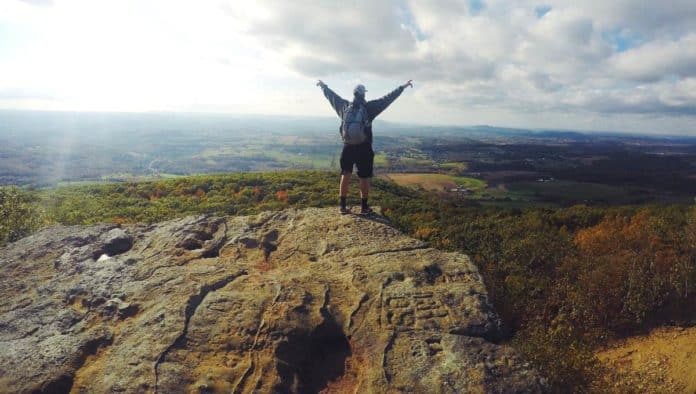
<point x="565" y="280"/>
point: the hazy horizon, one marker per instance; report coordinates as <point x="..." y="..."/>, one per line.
<point x="621" y="66"/>
<point x="319" y="122"/>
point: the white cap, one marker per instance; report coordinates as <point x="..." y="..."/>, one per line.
<point x="360" y="89"/>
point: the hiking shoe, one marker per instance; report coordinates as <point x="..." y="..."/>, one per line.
<point x="366" y="211"/>
<point x="343" y="210"/>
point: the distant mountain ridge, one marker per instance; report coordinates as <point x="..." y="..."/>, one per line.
<point x="60" y="121"/>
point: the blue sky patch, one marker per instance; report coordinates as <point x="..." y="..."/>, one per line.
<point x="542" y="10"/>
<point x="408" y="22"/>
<point x="622" y="40"/>
<point x="476" y="6"/>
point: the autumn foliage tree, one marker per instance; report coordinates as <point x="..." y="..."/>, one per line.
<point x="631" y="267"/>
<point x="19" y="215"/>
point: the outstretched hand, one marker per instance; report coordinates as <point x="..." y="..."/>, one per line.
<point x="409" y="83"/>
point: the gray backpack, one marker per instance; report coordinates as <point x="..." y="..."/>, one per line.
<point x="355" y="121"/>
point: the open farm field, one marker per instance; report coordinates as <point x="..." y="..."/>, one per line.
<point x="436" y="182"/>
<point x="458" y="165"/>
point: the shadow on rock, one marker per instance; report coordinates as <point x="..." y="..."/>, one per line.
<point x="306" y="363"/>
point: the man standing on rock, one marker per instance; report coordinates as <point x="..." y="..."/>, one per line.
<point x="356" y="131"/>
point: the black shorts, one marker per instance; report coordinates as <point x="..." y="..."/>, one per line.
<point x="361" y="156"/>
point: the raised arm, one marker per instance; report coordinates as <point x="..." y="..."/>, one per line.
<point x="336" y="101"/>
<point x="375" y="107"/>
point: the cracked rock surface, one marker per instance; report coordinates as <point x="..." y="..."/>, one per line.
<point x="294" y="301"/>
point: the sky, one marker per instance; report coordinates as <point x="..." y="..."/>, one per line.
<point x="610" y="65"/>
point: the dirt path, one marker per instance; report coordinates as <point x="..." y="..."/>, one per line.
<point x="662" y="362"/>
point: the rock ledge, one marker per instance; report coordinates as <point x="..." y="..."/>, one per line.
<point x="292" y="301"/>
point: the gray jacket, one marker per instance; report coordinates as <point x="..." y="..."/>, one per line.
<point x="374" y="107"/>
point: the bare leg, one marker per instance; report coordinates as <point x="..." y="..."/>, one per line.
<point x="345" y="182"/>
<point x="364" y="187"/>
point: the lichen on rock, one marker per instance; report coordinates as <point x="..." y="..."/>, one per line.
<point x="292" y="301"/>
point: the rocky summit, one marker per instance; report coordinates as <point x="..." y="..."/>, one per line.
<point x="294" y="301"/>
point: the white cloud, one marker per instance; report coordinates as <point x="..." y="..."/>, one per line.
<point x="657" y="60"/>
<point x="500" y="62"/>
<point x="570" y="58"/>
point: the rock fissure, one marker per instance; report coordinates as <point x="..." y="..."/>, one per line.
<point x="26" y="334"/>
<point x="179" y="263"/>
<point x="153" y="271"/>
<point x="385" y="352"/>
<point x="397" y="250"/>
<point x="191" y="306"/>
<point x="250" y="354"/>
<point x="363" y="298"/>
